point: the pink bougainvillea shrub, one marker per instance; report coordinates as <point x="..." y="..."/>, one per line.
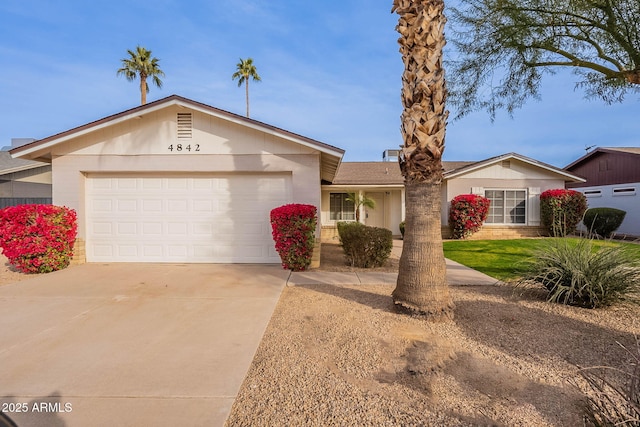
<point x="38" y="238"/>
<point x="467" y="214"/>
<point x="561" y="210"/>
<point x="294" y="228"/>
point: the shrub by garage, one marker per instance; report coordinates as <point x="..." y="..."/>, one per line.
<point x="38" y="238"/>
<point x="365" y="246"/>
<point x="293" y="229"/>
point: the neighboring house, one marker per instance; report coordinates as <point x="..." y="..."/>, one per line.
<point x="23" y="181"/>
<point x="612" y="180"/>
<point x="512" y="182"/>
<point x="179" y="181"/>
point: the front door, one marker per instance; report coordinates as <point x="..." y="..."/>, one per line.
<point x="375" y="217"/>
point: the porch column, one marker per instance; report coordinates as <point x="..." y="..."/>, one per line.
<point x="361" y="208"/>
<point x="402" y="206"/>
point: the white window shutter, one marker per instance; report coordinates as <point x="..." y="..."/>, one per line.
<point x="534" y="206"/>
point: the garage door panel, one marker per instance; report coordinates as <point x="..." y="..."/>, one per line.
<point x="126" y="229"/>
<point x="126" y="205"/>
<point x="152" y="206"/>
<point x="127" y="251"/>
<point x="220" y="218"/>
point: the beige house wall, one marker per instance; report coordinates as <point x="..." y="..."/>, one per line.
<point x="142" y="146"/>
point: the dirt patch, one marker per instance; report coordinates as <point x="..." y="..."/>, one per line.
<point x="332" y="259"/>
<point x="8" y="274"/>
<point x="341" y="355"/>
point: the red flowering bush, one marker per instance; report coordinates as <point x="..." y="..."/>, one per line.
<point x="294" y="228"/>
<point x="38" y="238"/>
<point x="467" y="213"/>
<point x="561" y="210"/>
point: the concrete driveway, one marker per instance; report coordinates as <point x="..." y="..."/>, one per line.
<point x="132" y="344"/>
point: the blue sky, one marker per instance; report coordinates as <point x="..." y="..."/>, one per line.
<point x="330" y="71"/>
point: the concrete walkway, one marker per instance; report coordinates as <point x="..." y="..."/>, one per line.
<point x="457" y="275"/>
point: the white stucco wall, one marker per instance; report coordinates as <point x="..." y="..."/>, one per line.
<point x="605" y="196"/>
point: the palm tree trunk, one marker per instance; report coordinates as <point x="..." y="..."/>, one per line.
<point x="422" y="286"/>
<point x="143" y="89"/>
<point x="246" y="88"/>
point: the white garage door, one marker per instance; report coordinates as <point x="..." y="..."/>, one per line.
<point x="183" y="218"/>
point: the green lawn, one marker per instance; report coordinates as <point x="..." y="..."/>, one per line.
<point x="503" y="259"/>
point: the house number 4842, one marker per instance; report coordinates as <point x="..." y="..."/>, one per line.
<point x="180" y="147"/>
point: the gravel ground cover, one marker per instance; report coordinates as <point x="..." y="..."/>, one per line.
<point x="341" y="355"/>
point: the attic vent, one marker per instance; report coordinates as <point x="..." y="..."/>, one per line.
<point x="506" y="164"/>
<point x="185" y="126"/>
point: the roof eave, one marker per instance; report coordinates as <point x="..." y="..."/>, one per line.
<point x="40" y="149"/>
<point x="482" y="164"/>
<point x="22" y="168"/>
<point x="346" y="186"/>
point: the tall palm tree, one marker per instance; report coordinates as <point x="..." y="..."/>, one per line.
<point x="422" y="285"/>
<point x="244" y="70"/>
<point x="141" y="64"/>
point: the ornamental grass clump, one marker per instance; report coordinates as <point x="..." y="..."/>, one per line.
<point x="611" y="402"/>
<point x="38" y="238"/>
<point x="293" y="229"/>
<point x="575" y="273"/>
<point x="561" y="210"/>
<point x="467" y="214"/>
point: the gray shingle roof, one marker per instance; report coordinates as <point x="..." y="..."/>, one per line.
<point x="379" y="173"/>
<point x="8" y="164"/>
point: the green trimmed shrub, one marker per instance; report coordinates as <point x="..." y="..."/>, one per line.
<point x="402" y="229"/>
<point x="365" y="246"/>
<point x="578" y="274"/>
<point x="603" y="221"/>
<point x="561" y="210"/>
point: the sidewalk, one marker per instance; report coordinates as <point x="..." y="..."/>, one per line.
<point x="457" y="275"/>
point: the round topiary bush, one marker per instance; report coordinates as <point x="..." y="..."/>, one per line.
<point x="603" y="221"/>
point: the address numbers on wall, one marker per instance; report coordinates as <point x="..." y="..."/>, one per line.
<point x="181" y="147"/>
